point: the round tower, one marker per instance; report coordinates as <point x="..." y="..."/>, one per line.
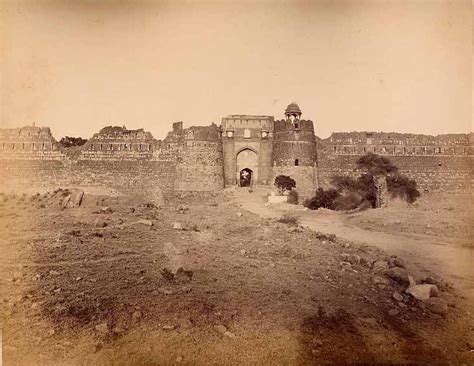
<point x="294" y="150"/>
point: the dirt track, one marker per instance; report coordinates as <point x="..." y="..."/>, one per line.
<point x="88" y="286"/>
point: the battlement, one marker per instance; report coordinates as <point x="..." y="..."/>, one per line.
<point x="296" y="125"/>
<point x="28" y="138"/>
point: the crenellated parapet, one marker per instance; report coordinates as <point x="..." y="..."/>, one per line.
<point x="384" y="143"/>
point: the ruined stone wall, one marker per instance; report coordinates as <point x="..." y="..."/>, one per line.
<point x="431" y="172"/>
<point x="200" y="165"/>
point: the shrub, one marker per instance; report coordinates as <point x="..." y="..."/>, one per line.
<point x="349" y="201"/>
<point x="400" y="186"/>
<point x="293" y="197"/>
<point x="323" y="198"/>
<point x="367" y="188"/>
<point x="68" y="141"/>
<point x="284" y="183"/>
<point x="375" y="164"/>
<point x="289" y="219"/>
<point x="345" y="183"/>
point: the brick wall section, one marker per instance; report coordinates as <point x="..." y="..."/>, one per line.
<point x="432" y="173"/>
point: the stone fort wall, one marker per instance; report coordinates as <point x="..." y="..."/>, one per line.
<point x="119" y="160"/>
<point x="115" y="160"/>
<point x="444" y="162"/>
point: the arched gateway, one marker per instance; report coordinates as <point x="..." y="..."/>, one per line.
<point x="247" y="167"/>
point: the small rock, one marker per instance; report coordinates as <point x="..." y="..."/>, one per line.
<point x="136" y="315"/>
<point x="165" y="291"/>
<point x="177" y="226"/>
<point x="380" y="266"/>
<point x="220" y="328"/>
<point x="422" y="292"/>
<point x="243" y="251"/>
<point x="393" y="312"/>
<point x="399" y="275"/>
<point x="397" y="296"/>
<point x="411" y="281"/>
<point x="437" y="305"/>
<point x="239" y="214"/>
<point x="145" y="222"/>
<point x="78" y="278"/>
<point x="179" y="359"/>
<point x="380" y="280"/>
<point x="168" y="327"/>
<point x="54" y="273"/>
<point x="402" y="305"/>
<point x="102" y="328"/>
<point x="229" y="334"/>
<point x="395" y="262"/>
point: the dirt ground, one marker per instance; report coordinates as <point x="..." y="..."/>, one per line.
<point x="101" y="284"/>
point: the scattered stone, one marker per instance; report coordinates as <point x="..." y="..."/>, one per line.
<point x="144" y="222"/>
<point x="422" y="292"/>
<point x="345" y="265"/>
<point x="106" y="210"/>
<point x="243" y="251"/>
<point x="399" y="275"/>
<point x="137" y="315"/>
<point x="397" y="296"/>
<point x="396" y="262"/>
<point x="380" y="280"/>
<point x="165" y="291"/>
<point x="437" y="305"/>
<point x="53" y="273"/>
<point x="239" y="214"/>
<point x="402" y="305"/>
<point x="177" y="226"/>
<point x="179" y="359"/>
<point x="220" y="328"/>
<point x="78" y="278"/>
<point x="182" y="209"/>
<point x="411" y="281"/>
<point x="168" y="327"/>
<point x="102" y="328"/>
<point x="229" y="334"/>
<point x="183" y="275"/>
<point x="380" y="266"/>
<point x="393" y="312"/>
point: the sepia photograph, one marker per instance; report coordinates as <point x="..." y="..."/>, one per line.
<point x="247" y="182"/>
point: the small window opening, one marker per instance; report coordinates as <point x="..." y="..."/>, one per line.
<point x="297" y="162"/>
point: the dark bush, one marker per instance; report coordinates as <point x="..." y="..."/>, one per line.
<point x="284" y="183"/>
<point x="367" y="188"/>
<point x="289" y="219"/>
<point x="375" y="164"/>
<point x="402" y="187"/>
<point x="322" y="199"/>
<point x="345" y="183"/>
<point x="349" y="201"/>
<point x="293" y="197"/>
<point x="72" y="141"/>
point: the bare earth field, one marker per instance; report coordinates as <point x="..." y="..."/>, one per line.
<point x="118" y="282"/>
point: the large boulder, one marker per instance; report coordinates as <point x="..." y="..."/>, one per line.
<point x="422" y="292"/>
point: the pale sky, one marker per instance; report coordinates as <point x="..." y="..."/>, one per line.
<point x="76" y="66"/>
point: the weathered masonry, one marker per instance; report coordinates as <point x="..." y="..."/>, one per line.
<point x="243" y="150"/>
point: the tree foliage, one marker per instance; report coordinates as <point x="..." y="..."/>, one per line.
<point x="284" y="183"/>
<point x="375" y="164"/>
<point x="322" y="199"/>
<point x="72" y="141"/>
<point x="402" y="187"/>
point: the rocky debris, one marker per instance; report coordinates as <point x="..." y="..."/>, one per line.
<point x="177" y="226"/>
<point x="220" y="328"/>
<point x="229" y="334"/>
<point x="396" y="262"/>
<point x="168" y="327"/>
<point x="437" y="305"/>
<point x="239" y="214"/>
<point x="102" y="328"/>
<point x="380" y="267"/>
<point x="183" y="275"/>
<point x="144" y="222"/>
<point x="353" y="259"/>
<point x="411" y="281"/>
<point x="399" y="275"/>
<point x="422" y="292"/>
<point x="397" y="296"/>
<point x="73" y="198"/>
<point x="182" y="209"/>
<point x="380" y="280"/>
<point x="393" y="312"/>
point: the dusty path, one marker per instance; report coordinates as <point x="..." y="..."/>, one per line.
<point x="436" y="254"/>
